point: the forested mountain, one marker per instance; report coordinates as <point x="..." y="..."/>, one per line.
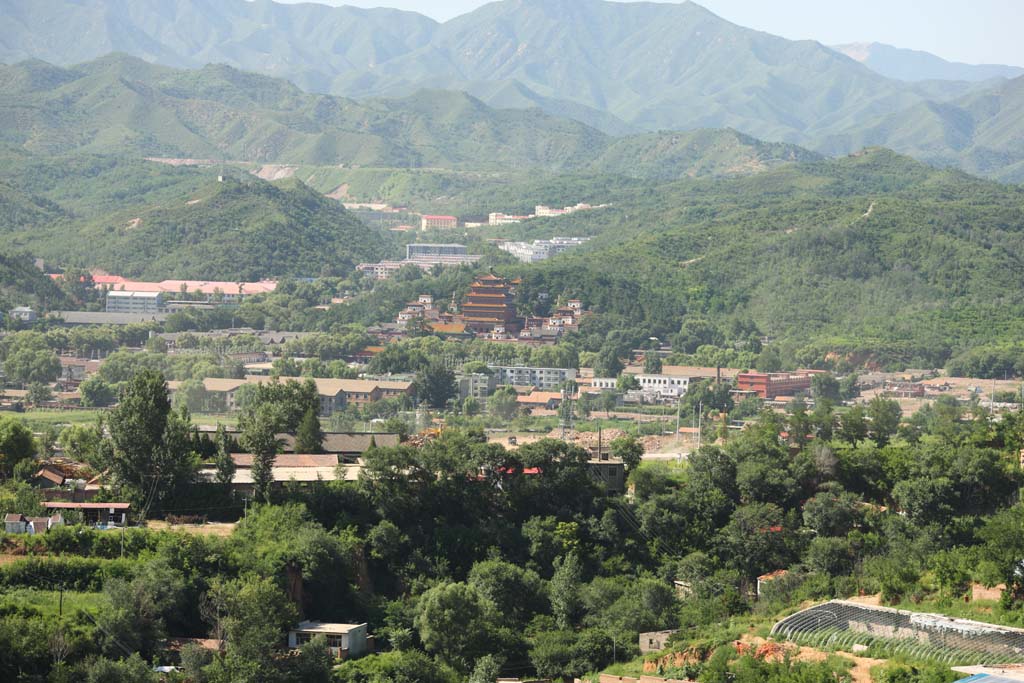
<point x="980" y="132"/>
<point x="916" y="65"/>
<point x="123" y="105"/>
<point x="619" y="67"/>
<point x="874" y="253"/>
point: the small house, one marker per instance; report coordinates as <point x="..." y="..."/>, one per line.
<point x="20" y="524"/>
<point x="345" y="641"/>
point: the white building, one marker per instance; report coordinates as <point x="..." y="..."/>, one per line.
<point x="540" y="250"/>
<point x="24" y="314"/>
<point x="545" y="379"/>
<point x="345" y="641"/>
<point x="119" y="301"/>
<point x="652" y="387"/>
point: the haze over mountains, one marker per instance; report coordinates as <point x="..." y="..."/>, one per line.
<point x="915" y="65"/>
<point x="618" y="67"/>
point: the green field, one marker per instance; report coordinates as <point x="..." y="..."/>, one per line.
<point x="49" y="602"/>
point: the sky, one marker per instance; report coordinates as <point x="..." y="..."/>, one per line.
<point x="973" y="31"/>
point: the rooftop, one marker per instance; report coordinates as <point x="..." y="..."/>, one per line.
<point x="321" y="627"/>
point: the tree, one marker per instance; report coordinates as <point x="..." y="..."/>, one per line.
<point x="798" y="424"/>
<point x="454" y="621"/>
<point x="629" y="450"/>
<point x="566" y="604"/>
<point x="852" y="426"/>
<point x="256" y="614"/>
<point x="152" y="454"/>
<point x="435" y="385"/>
<point x="222" y="460"/>
<point x="518" y="594"/>
<point x="824" y="385"/>
<point x="27" y="365"/>
<point x="652" y="363"/>
<point x="503" y="403"/>
<point x="82" y="443"/>
<point x="141" y="607"/>
<point x="626" y="382"/>
<point x="885" y="419"/>
<point x="832" y="512"/>
<point x="310" y="436"/>
<point x="39" y="393"/>
<point x="96" y="393"/>
<point x="608" y="363"/>
<point x="259" y="437"/>
<point x="16" y="444"/>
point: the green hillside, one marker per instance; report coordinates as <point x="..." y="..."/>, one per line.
<point x="119" y="104"/>
<point x="240" y="229"/>
<point x="873" y="252"/>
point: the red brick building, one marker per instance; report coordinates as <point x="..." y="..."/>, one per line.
<point x="769" y="385"/>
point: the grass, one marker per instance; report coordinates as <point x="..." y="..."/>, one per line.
<point x="38" y="420"/>
<point x="49" y="602"/>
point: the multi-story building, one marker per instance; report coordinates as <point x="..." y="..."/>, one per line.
<point x="438" y="222"/>
<point x="505" y="219"/>
<point x="421" y="251"/>
<point x="545" y="379"/>
<point x="477" y="385"/>
<point x="135" y="302"/>
<point x="490" y="306"/>
<point x="769" y="385"/>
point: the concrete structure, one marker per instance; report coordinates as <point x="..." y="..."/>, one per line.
<point x="654" y="641"/>
<point x="345" y="641"/>
<point x="135" y="302"/>
<point x="545" y="379"/>
<point x="438" y="222"/>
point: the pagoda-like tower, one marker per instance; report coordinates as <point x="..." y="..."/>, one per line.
<point x="490" y="303"/>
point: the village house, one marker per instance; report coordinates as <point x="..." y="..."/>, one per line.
<point x="99" y="514"/>
<point x="20" y="524"/>
<point x="345" y="641"/>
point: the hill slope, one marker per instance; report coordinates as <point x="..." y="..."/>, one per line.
<point x="122" y="104"/>
<point x="980" y="132"/>
<point x="874" y="251"/>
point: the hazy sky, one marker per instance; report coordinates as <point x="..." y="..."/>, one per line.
<point x="975" y="31"/>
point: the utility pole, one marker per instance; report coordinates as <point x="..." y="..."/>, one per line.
<point x="700" y="422"/>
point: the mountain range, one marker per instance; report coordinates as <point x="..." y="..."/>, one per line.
<point x="618" y="67"/>
<point x="123" y="105"/>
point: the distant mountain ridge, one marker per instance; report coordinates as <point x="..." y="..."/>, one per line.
<point x="916" y="65"/>
<point x="123" y="105"/>
<point x="618" y="67"/>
